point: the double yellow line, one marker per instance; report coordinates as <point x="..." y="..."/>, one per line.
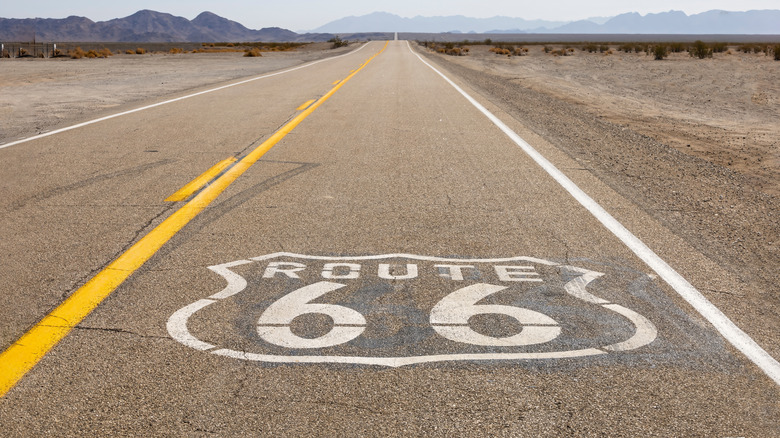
<point x="21" y="356"/>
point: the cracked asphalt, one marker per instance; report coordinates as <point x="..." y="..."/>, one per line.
<point x="388" y="200"/>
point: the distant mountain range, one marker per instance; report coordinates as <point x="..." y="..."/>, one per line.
<point x="673" y="22"/>
<point x="386" y="22"/>
<point x="144" y="26"/>
<point x="151" y="26"/>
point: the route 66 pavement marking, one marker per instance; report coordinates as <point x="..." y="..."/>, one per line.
<point x="468" y="289"/>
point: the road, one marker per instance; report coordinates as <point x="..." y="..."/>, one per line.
<point x="374" y="256"/>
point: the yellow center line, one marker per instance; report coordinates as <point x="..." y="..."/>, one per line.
<point x="336" y="82"/>
<point x="304" y="105"/>
<point x="195" y="185"/>
<point x="28" y="350"/>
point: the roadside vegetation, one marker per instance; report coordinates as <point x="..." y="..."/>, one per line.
<point x="337" y="42"/>
<point x="448" y="48"/>
<point x="255" y="47"/>
<point x="700" y="50"/>
<point x="658" y="50"/>
<point x="104" y="50"/>
<point x="253" y="52"/>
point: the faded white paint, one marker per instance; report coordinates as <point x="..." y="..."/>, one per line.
<point x="449" y="317"/>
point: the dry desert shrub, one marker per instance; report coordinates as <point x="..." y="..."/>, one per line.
<point x="563" y="52"/>
<point x="253" y="52"/>
<point x="448" y="48"/>
<point x="719" y="47"/>
<point x="501" y="50"/>
<point x="338" y="42"/>
<point x="102" y="53"/>
<point x="660" y="52"/>
<point x="277" y="47"/>
<point x="632" y="47"/>
<point x="520" y="51"/>
<point x="176" y="50"/>
<point x="700" y="50"/>
<point x="224" y="49"/>
<point x="755" y="48"/>
<point x="776" y="50"/>
<point x="77" y="53"/>
<point x="590" y="47"/>
<point x="140" y="51"/>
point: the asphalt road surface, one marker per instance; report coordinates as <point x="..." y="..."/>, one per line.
<point x="372" y="255"/>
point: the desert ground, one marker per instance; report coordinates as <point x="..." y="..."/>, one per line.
<point x="723" y="109"/>
<point x="40" y="95"/>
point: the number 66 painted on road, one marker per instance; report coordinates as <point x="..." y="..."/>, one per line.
<point x="274" y="324"/>
<point x="449" y="317"/>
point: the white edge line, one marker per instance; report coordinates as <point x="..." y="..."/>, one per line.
<point x="154" y="105"/>
<point x="738" y="338"/>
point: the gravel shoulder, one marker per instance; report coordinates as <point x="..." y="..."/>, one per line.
<point x="724" y="109"/>
<point x="40" y="95"/>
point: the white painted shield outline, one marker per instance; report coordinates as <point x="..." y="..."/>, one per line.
<point x="645" y="332"/>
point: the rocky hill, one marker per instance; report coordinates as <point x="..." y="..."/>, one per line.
<point x="144" y="26"/>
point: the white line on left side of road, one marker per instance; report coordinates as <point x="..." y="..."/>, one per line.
<point x="154" y="105"/>
<point x="738" y="338"/>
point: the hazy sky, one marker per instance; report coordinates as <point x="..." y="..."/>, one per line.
<point x="309" y="14"/>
